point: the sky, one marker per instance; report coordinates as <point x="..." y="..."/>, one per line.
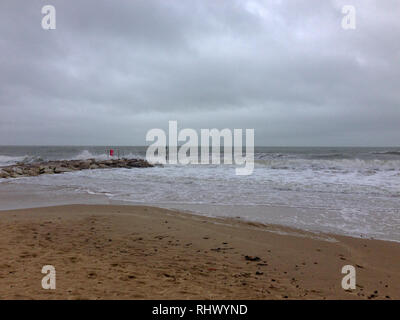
<point x="113" y="70"/>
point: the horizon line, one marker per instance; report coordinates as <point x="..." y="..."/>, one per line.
<point x="256" y="146"/>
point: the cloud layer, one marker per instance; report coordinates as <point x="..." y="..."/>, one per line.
<point x="112" y="70"/>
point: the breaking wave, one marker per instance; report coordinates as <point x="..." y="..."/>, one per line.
<point x="10" y="160"/>
<point x="337" y="164"/>
<point x="395" y="153"/>
<point x="86" y="154"/>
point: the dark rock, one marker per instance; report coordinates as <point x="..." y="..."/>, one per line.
<point x="62" y="170"/>
<point x="250" y="258"/>
<point x="18" y="170"/>
<point x="4" y="174"/>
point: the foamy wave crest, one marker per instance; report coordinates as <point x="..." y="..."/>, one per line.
<point x="86" y="154"/>
<point x="339" y="164"/>
<point x="327" y="156"/>
<point x="396" y="153"/>
<point x="10" y="160"/>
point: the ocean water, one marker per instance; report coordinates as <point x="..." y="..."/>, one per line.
<point x="352" y="191"/>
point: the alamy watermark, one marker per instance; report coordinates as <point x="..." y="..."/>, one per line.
<point x="349" y="280"/>
<point x="49" y="18"/>
<point x="49" y="280"/>
<point x="188" y="153"/>
<point x="349" y="20"/>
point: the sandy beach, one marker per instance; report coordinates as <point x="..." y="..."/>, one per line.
<point x="137" y="252"/>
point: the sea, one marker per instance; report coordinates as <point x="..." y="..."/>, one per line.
<point x="342" y="190"/>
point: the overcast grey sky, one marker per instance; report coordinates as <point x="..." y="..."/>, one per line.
<point x="112" y="70"/>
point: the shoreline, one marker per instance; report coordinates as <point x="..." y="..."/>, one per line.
<point x="142" y="252"/>
<point x="38" y="198"/>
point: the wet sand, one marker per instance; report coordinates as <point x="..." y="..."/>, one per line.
<point x="136" y="252"/>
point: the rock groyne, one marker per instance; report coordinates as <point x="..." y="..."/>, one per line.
<point x="62" y="166"/>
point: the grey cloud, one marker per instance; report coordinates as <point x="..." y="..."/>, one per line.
<point x="114" y="69"/>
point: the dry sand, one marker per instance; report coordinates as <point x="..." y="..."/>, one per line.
<point x="132" y="252"/>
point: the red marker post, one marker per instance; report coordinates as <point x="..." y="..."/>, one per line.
<point x="111" y="152"/>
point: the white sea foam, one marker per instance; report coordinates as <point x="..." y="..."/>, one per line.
<point x="337" y="164"/>
<point x="86" y="154"/>
<point x="10" y="160"/>
<point x="347" y="195"/>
